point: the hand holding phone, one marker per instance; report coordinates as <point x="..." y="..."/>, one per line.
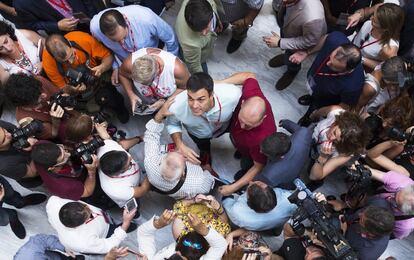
<point x="131" y="205"/>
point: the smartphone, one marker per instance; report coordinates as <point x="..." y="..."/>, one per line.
<point x="81" y="17"/>
<point x="131" y="205"/>
<point x="135" y="253"/>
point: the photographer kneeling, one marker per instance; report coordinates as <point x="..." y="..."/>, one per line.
<point x="34" y="97"/>
<point x="64" y="175"/>
<point x="80" y="65"/>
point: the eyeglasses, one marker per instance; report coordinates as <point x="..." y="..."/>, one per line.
<point x="65" y="158"/>
<point x="188" y="243"/>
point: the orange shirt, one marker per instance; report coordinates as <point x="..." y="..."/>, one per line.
<point x="96" y="50"/>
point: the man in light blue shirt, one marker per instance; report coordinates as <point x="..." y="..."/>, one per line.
<point x="205" y="110"/>
<point x="260" y="207"/>
<point x="40" y="246"/>
<point x="127" y="29"/>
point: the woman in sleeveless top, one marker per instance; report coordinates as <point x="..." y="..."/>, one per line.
<point x="151" y="75"/>
<point x="378" y="37"/>
<point x="19" y="51"/>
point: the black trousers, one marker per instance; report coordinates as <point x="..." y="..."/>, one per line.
<point x="203" y="144"/>
<point x="11" y="197"/>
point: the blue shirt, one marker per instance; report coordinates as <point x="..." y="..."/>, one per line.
<point x="243" y="216"/>
<point x="147" y="29"/>
<point x="213" y="122"/>
<point x="332" y="90"/>
<point x="281" y="172"/>
<point x="38" y="248"/>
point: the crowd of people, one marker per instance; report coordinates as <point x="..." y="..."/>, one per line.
<point x="73" y="70"/>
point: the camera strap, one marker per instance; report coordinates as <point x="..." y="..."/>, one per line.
<point x="76" y="46"/>
<point x="177" y="187"/>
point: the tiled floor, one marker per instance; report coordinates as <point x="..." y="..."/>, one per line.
<point x="252" y="56"/>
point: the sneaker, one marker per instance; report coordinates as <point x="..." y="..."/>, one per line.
<point x="277" y="61"/>
<point x="33" y="199"/>
<point x="285" y="80"/>
<point x="17" y="227"/>
<point x="233" y="45"/>
<point x="305" y="100"/>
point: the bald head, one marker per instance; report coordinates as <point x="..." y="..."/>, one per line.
<point x="57" y="46"/>
<point x="252" y="112"/>
<point x="172" y="166"/>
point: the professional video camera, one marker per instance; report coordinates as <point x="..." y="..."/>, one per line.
<point x="324" y="224"/>
<point x="399" y="135"/>
<point x="77" y="77"/>
<point x="63" y="100"/>
<point x="20" y="135"/>
<point x="85" y="151"/>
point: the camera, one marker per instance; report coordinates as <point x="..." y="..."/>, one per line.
<point x="325" y="224"/>
<point x="77" y="77"/>
<point x="360" y="178"/>
<point x="20" y="135"/>
<point x="63" y="100"/>
<point x="100" y="117"/>
<point x="85" y="151"/>
<point x="140" y="108"/>
<point x="399" y="135"/>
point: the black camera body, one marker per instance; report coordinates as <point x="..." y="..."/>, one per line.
<point x="100" y="117"/>
<point x="85" y="151"/>
<point x="400" y="136"/>
<point x="77" y="77"/>
<point x="324" y="224"/>
<point x="63" y="100"/>
<point x="20" y="135"/>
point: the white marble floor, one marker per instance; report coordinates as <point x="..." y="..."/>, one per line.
<point x="252" y="56"/>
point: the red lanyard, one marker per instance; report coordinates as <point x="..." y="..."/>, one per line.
<point x="318" y="73"/>
<point x="131" y="33"/>
<point x="219" y="117"/>
<point x="153" y="88"/>
<point x="368" y="44"/>
<point x="136" y="170"/>
<point x="318" y="142"/>
<point x="62" y="4"/>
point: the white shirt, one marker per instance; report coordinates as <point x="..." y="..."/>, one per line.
<point x="371" y="51"/>
<point x="147" y="246"/>
<point x="164" y="84"/>
<point x="382" y="95"/>
<point x="119" y="188"/>
<point x="213" y="122"/>
<point x="86" y="238"/>
<point x="31" y="52"/>
<point x="319" y="135"/>
<point x="197" y="180"/>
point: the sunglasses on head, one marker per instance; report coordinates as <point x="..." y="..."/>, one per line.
<point x="188" y="243"/>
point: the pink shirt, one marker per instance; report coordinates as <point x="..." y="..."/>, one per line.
<point x="393" y="182"/>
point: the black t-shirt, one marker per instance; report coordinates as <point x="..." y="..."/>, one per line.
<point x="13" y="163"/>
<point x="366" y="249"/>
<point x="292" y="249"/>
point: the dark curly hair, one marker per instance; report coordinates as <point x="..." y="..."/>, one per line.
<point x="190" y="252"/>
<point x="22" y="89"/>
<point x="6" y="28"/>
<point x="398" y="112"/>
<point x="355" y="135"/>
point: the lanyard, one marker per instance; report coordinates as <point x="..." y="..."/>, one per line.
<point x="131" y="33"/>
<point x="368" y="44"/>
<point x="318" y="142"/>
<point x="62" y="4"/>
<point x="135" y="171"/>
<point x="153" y="87"/>
<point x="95" y="215"/>
<point x="319" y="73"/>
<point x="219" y="117"/>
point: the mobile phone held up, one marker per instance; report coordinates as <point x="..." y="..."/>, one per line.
<point x="131" y="205"/>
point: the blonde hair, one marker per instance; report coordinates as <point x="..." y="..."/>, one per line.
<point x="144" y="69"/>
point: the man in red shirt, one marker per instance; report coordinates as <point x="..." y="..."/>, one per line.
<point x="251" y="123"/>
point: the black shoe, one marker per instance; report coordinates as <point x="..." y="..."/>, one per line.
<point x="305" y="100"/>
<point x="132" y="227"/>
<point x="285" y="80"/>
<point x="233" y="45"/>
<point x="277" y="61"/>
<point x="17" y="227"/>
<point x="33" y="199"/>
<point x="122" y="114"/>
<point x="237" y="155"/>
<point x="304" y="121"/>
<point x="30" y="183"/>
